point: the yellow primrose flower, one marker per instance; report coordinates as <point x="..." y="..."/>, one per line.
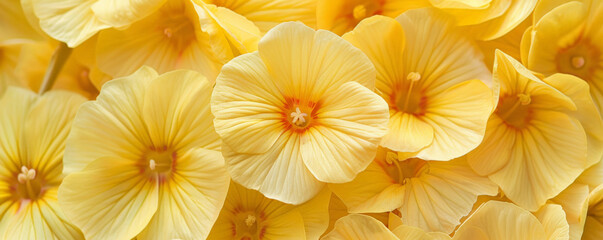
<point x="487" y="19"/>
<point x="75" y="21"/>
<point x="568" y="40"/>
<point x="34" y="129"/>
<point x="430" y="77"/>
<point x="181" y="34"/>
<point x="144" y="160"/>
<point x="535" y="143"/>
<point x="593" y="228"/>
<point x="431" y="195"/>
<point x="247" y="214"/>
<point x="297" y="113"/>
<point x="495" y="220"/>
<point x="266" y="14"/>
<point x="341" y="16"/>
<point x="362" y="227"/>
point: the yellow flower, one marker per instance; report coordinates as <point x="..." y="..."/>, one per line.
<point x="181" y="34"/>
<point x="247" y="214"/>
<point x="567" y="40"/>
<point x="431" y="195"/>
<point x="34" y="129"/>
<point x="341" y="16"/>
<point x="75" y="21"/>
<point x="593" y="228"/>
<point x="14" y="24"/>
<point x="487" y="19"/>
<point x="144" y="160"/>
<point x="362" y="227"/>
<point x="495" y="220"/>
<point x="297" y="113"/>
<point x="535" y="143"/>
<point x="266" y="14"/>
<point x="430" y="77"/>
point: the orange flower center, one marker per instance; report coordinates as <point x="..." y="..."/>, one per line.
<point x="580" y="59"/>
<point x="248" y="225"/>
<point x="365" y="9"/>
<point x="299" y="115"/>
<point x="28" y="185"/>
<point x="159" y="164"/>
<point x="409" y="97"/>
<point x="177" y="28"/>
<point x="515" y="110"/>
<point x="401" y="171"/>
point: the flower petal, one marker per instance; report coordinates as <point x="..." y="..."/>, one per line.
<point x="252" y="127"/>
<point x="190" y="202"/>
<point x="347" y="134"/>
<point x="316" y="214"/>
<point x="119" y="13"/>
<point x="14" y="107"/>
<point x="359" y="227"/>
<point x="177" y="113"/>
<point x="109" y="199"/>
<point x="552" y="218"/>
<point x="407" y="133"/>
<point x="116" y="115"/>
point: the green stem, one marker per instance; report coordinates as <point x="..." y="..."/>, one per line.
<point x="57" y="61"/>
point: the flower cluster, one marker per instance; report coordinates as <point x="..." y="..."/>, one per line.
<point x="301" y="119"/>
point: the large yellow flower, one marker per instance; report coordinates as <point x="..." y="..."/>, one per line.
<point x="431" y="195"/>
<point x="535" y="143"/>
<point x="34" y="129"/>
<point x="266" y="14"/>
<point x="430" y="76"/>
<point x="181" y="34"/>
<point x="495" y="220"/>
<point x="297" y="113"/>
<point x="567" y="39"/>
<point x="247" y="214"/>
<point x="144" y="160"/>
<point x="75" y="21"/>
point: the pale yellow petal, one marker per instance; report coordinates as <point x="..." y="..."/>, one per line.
<point x="552" y="218"/>
<point x="118" y="13"/>
<point x="14" y="26"/>
<point x="593" y="229"/>
<point x="109" y="199"/>
<point x="546" y="158"/>
<point x="517" y="12"/>
<point x="279" y="173"/>
<point x="48" y="124"/>
<point x="574" y="201"/>
<point x="177" y="113"/>
<point x="115" y="115"/>
<point x="458" y="117"/>
<point x="14" y="108"/>
<point x="413" y="233"/>
<point x="190" y="202"/>
<point x="41" y="219"/>
<point x="359" y="227"/>
<point x="347" y="134"/>
<point x="499" y="139"/>
<point x="316" y="214"/>
<point x="320" y="61"/>
<point x="407" y="133"/>
<point x="69" y="21"/>
<point x="500" y="221"/>
<point x="255" y="127"/>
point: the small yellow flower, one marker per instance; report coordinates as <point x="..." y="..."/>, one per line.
<point x="429" y="74"/>
<point x="34" y="129"/>
<point x="431" y="195"/>
<point x="297" y="113"/>
<point x="144" y="160"/>
<point x="247" y="214"/>
<point x="536" y="144"/>
<point x="502" y="221"/>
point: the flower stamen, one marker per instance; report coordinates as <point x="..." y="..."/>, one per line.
<point x="250" y="220"/>
<point x="26" y="175"/>
<point x="359" y="12"/>
<point x="298" y="117"/>
<point x="578" y="62"/>
<point x="152" y="164"/>
<point x="412" y="77"/>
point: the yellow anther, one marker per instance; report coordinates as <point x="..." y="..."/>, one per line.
<point x="578" y="62"/>
<point x="391" y="157"/>
<point x="167" y="32"/>
<point x="413" y="76"/>
<point x="298" y="117"/>
<point x="359" y="12"/>
<point x="26" y="174"/>
<point x="524" y="99"/>
<point x="250" y="220"/>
